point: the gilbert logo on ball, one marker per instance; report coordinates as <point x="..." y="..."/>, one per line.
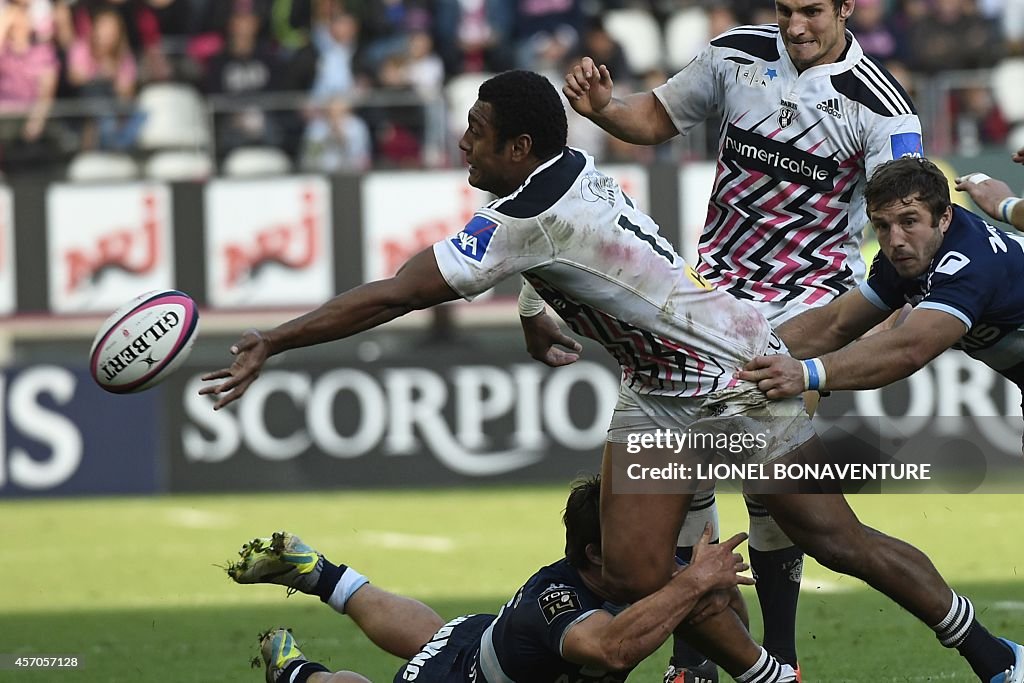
<point x="144" y="341"/>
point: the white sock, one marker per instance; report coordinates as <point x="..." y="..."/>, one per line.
<point x="765" y="670"/>
<point x="349" y="583"/>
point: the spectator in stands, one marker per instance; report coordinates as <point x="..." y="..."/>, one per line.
<point x="142" y="28"/>
<point x="426" y="75"/>
<point x="877" y="36"/>
<point x="385" y="29"/>
<point x="335" y="35"/>
<point x="28" y="67"/>
<point x="953" y="36"/>
<point x="178" y="25"/>
<point x="472" y="35"/>
<point x="336" y="140"/>
<point x="211" y="31"/>
<point x="102" y="69"/>
<point x="1013" y="27"/>
<point x="246" y="70"/>
<point x="978" y="121"/>
<point x="600" y="45"/>
<point x="398" y="127"/>
<point x="546" y="33"/>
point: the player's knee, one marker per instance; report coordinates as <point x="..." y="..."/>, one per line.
<point x="629" y="583"/>
<point x="844" y="552"/>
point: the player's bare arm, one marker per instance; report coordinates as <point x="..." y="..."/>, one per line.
<point x="543" y="339"/>
<point x="622" y="641"/>
<point x="994" y="197"/>
<point x="870" y="363"/>
<point x="830" y="327"/>
<point x="417" y="285"/>
<point x="639" y="119"/>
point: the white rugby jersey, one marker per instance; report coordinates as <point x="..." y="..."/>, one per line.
<point x="787" y="208"/>
<point x="602" y="265"/>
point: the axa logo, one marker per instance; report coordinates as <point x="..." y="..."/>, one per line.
<point x="474" y="239"/>
<point x="134" y="251"/>
<point x="831" y="107"/>
<point x="290" y="245"/>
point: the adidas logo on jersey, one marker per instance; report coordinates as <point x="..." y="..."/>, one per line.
<point x="831" y="107"/>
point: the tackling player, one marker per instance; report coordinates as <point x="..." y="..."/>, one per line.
<point x="805" y="117"/>
<point x="602" y="265"/>
<point x="964" y="277"/>
<point x="559" y="626"/>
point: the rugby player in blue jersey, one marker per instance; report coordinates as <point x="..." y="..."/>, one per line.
<point x="559" y="626"/>
<point x="964" y="277"/>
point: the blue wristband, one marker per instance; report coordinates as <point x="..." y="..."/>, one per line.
<point x="813" y="380"/>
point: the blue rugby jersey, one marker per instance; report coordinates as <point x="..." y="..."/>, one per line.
<point x="977" y="276"/>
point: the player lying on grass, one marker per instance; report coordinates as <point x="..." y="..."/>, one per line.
<point x="590" y="253"/>
<point x="558" y="627"/>
<point x="964" y="277"/>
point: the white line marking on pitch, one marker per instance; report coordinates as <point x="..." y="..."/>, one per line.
<point x="400" y="541"/>
<point x="1012" y="605"/>
<point x="191" y="518"/>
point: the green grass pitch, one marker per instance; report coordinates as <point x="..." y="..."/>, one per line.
<point x="133" y="587"/>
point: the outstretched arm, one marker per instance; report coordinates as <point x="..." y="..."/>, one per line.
<point x="869" y="363"/>
<point x="994" y="197"/>
<point x="639" y="119"/>
<point x="417" y="285"/>
<point x="622" y="641"/>
<point x="830" y="327"/>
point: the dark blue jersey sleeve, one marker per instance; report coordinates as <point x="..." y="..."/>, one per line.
<point x="557" y="609"/>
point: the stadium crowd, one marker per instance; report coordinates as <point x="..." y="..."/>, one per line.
<point x="342" y="85"/>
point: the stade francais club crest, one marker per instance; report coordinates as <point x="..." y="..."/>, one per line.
<point x="787" y="114"/>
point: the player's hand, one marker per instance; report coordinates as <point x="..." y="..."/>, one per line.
<point x="250" y="352"/>
<point x="777" y="376"/>
<point x="717" y="566"/>
<point x="588" y="87"/>
<point x="1018" y="156"/>
<point x="987" y="192"/>
<point x="708" y="606"/>
<point x="544" y="336"/>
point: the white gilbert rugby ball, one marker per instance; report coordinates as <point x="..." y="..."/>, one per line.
<point x="144" y="341"/>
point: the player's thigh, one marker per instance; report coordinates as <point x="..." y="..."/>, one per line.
<point x="817" y="522"/>
<point x="638" y="530"/>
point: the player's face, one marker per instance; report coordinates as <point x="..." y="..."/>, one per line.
<point x="812" y="31"/>
<point x="908" y="234"/>
<point x="489" y="165"/>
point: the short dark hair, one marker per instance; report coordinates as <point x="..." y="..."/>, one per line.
<point x="582" y="519"/>
<point x="526" y="102"/>
<point x="902" y="179"/>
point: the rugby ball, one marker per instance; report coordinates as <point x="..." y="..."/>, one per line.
<point x="144" y="341"/>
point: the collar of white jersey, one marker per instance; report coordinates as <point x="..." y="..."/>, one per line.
<point x="853" y="55"/>
<point x="540" y="169"/>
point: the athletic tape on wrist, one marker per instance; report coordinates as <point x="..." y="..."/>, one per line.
<point x="1006" y="208"/>
<point x="814" y="374"/>
<point x="529" y="306"/>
